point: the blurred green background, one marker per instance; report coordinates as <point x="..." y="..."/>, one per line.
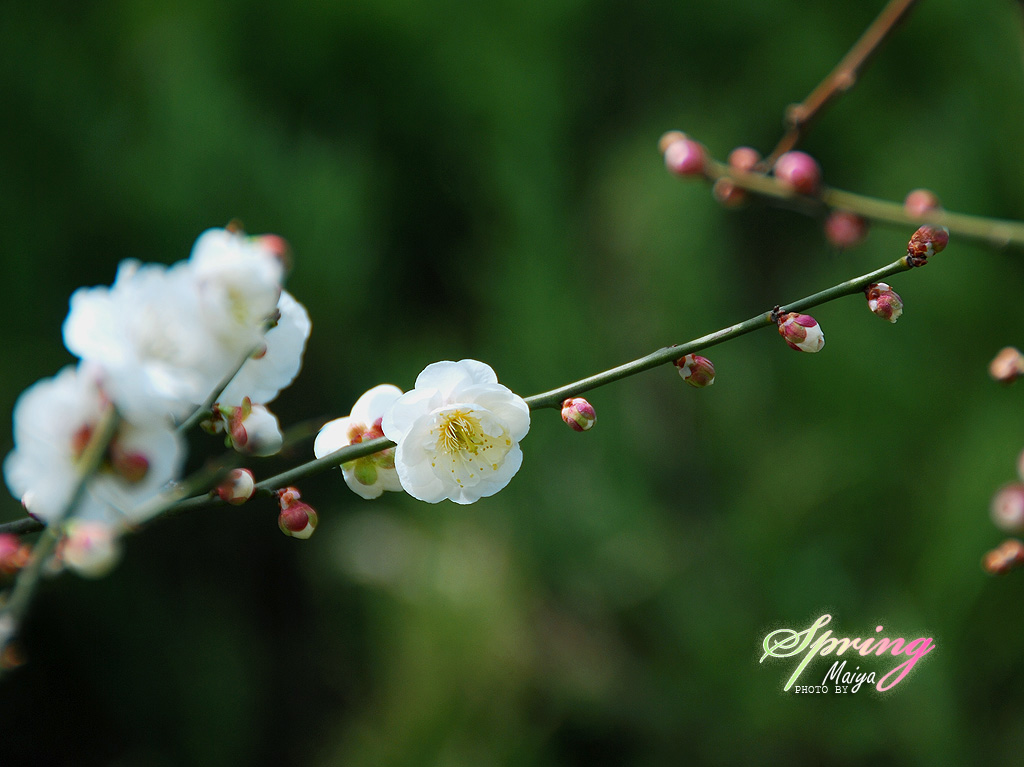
<point x="481" y="180"/>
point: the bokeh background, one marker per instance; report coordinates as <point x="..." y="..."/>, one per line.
<point x="481" y="180"/>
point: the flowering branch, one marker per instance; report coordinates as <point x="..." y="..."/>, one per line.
<point x="841" y="79"/>
<point x="995" y="232"/>
<point x="13" y="610"/>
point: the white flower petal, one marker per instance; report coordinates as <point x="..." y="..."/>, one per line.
<point x="399" y="419"/>
<point x="374" y="403"/>
<point x="448" y="376"/>
<point x="334" y="435"/>
<point x="506" y="405"/>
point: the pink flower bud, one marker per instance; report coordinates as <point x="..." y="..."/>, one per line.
<point x="13" y="556"/>
<point x="1007" y="366"/>
<point x="884" y="301"/>
<point x="926" y="242"/>
<point x="799" y="171"/>
<point x="669" y="138"/>
<point x="578" y="414"/>
<point x="238" y="487"/>
<point x="845" y="229"/>
<point x="744" y="159"/>
<point x="696" y="370"/>
<point x="297" y="519"/>
<point x="253" y="429"/>
<point x="685" y="157"/>
<point x="801" y="332"/>
<point x="1005" y="557"/>
<point x="728" y="194"/>
<point x="1007" y="508"/>
<point x="921" y="202"/>
<point x="92" y="549"/>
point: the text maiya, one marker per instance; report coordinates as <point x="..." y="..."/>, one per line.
<point x="786" y="643"/>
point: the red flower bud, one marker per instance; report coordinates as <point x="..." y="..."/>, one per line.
<point x="1007" y="366"/>
<point x="926" y="242"/>
<point x="884" y="301"/>
<point x="798" y="171"/>
<point x="801" y="332"/>
<point x="685" y="157"/>
<point x="845" y="229"/>
<point x="297" y="519"/>
<point x="921" y="202"/>
<point x="579" y="414"/>
<point x="1005" y="557"/>
<point x="696" y="370"/>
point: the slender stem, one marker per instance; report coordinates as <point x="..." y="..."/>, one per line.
<point x="841" y="79"/>
<point x="13" y="611"/>
<point x="996" y="232"/>
<point x="205" y="409"/>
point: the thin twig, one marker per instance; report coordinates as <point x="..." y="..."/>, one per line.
<point x="841" y="79"/>
<point x="996" y="232"/>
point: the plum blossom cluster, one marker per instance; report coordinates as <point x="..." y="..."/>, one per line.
<point x="456" y="435"/>
<point x="158" y="345"/>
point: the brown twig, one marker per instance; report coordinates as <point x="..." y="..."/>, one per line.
<point x="841" y="79"/>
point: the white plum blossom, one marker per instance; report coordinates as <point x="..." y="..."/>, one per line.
<point x="265" y="375"/>
<point x="146" y="334"/>
<point x="370" y="475"/>
<point x="54" y="420"/>
<point x="238" y="280"/>
<point x="166" y="337"/>
<point x="458" y="433"/>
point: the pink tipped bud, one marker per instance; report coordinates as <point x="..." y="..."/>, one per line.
<point x="920" y="202"/>
<point x="801" y="332"/>
<point x="1007" y="366"/>
<point x="297" y="519"/>
<point x="13" y="556"/>
<point x="845" y="229"/>
<point x="1009" y="555"/>
<point x="578" y="414"/>
<point x="926" y="242"/>
<point x="91" y="549"/>
<point x="744" y="159"/>
<point x="238" y="487"/>
<point x="884" y="301"/>
<point x="728" y="194"/>
<point x="696" y="370"/>
<point x="685" y="157"/>
<point x="669" y="138"/>
<point x="799" y="171"/>
<point x="253" y="429"/>
<point x="1007" y="508"/>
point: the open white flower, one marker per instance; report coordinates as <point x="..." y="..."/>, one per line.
<point x="145" y="332"/>
<point x="53" y="422"/>
<point x="370" y="475"/>
<point x="458" y="433"/>
<point x="263" y="377"/>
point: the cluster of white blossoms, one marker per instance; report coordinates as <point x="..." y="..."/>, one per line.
<point x="457" y="435"/>
<point x="156" y="345"/>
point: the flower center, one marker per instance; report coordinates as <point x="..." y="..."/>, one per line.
<point x="470" y="446"/>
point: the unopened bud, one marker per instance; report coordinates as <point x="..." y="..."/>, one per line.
<point x="13" y="556"/>
<point x="297" y="519"/>
<point x="579" y="414"/>
<point x="799" y="171"/>
<point x="728" y="195"/>
<point x="669" y="138"/>
<point x="253" y="429"/>
<point x="1007" y="366"/>
<point x="926" y="242"/>
<point x="921" y="202"/>
<point x="801" y="332"/>
<point x="1007" y="508"/>
<point x="884" y="301"/>
<point x="685" y="157"/>
<point x="91" y="549"/>
<point x="238" y="487"/>
<point x="744" y="159"/>
<point x="1005" y="557"/>
<point x="845" y="229"/>
<point x="696" y="370"/>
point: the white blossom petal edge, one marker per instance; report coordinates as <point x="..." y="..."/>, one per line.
<point x="370" y="475"/>
<point x="458" y="433"/>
